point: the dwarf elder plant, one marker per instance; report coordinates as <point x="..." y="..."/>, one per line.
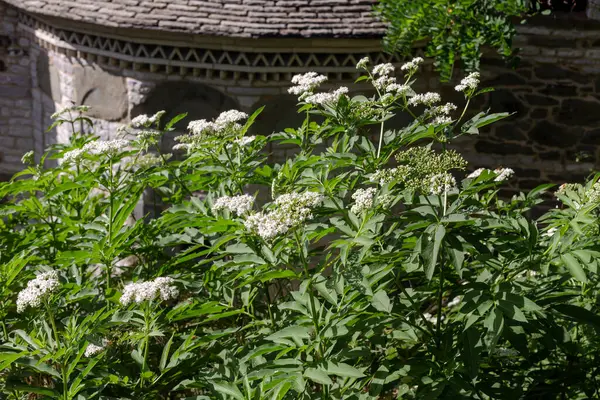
<point x="369" y="265"/>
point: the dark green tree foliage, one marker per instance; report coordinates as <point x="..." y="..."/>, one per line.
<point x="454" y="29"/>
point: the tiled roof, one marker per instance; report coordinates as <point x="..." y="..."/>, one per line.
<point x="235" y="18"/>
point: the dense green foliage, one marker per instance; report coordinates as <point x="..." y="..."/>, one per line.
<point x="454" y="30"/>
<point x="359" y="268"/>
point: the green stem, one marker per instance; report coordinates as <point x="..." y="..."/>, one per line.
<point x="268" y="296"/>
<point x="440" y="297"/>
<point x="65" y="378"/>
<point x="146" y="344"/>
<point x="380" y="139"/>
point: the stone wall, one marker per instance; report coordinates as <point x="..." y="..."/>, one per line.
<point x="16" y="101"/>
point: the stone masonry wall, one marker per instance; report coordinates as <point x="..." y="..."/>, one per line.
<point x="16" y="102"/>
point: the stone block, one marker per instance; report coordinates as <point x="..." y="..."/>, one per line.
<point x="105" y="93"/>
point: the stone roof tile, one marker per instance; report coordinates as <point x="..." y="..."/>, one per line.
<point x="236" y="18"/>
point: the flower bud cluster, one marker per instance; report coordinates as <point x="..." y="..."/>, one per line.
<point x="363" y="200"/>
<point x="238" y="205"/>
<point x="290" y="210"/>
<point x="138" y="292"/>
<point x="106" y="147"/>
<point x="412" y="65"/>
<point x="37" y="290"/>
<point x="442" y="183"/>
<point x="225" y="125"/>
<point x="503" y="174"/>
<point x="427" y="99"/>
<point x="323" y="98"/>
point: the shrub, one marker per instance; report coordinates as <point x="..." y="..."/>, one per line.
<point x="366" y="266"/>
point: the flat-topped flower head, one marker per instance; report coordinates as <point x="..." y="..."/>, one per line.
<point x="385" y="69"/>
<point x="363" y="200"/>
<point x="400" y="90"/>
<point x="326" y="98"/>
<point x="230" y="117"/>
<point x="73" y="156"/>
<point x="503" y="174"/>
<point x="476" y="173"/>
<point x="469" y="83"/>
<point x="37" y="290"/>
<point x="145" y="121"/>
<point x="412" y="65"/>
<point x="383" y="82"/>
<point x="92" y="349"/>
<point x="226" y="124"/>
<point x="238" y="205"/>
<point x="291" y="209"/>
<point x="306" y="83"/>
<point x="427" y="99"/>
<point x="106" y="147"/>
<point x="162" y="288"/>
<point x="363" y="63"/>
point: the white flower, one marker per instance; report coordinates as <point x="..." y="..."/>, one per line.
<point x="432" y="318"/>
<point x="441" y="120"/>
<point x="362" y="63"/>
<point x="144" y="121"/>
<point x="383" y="69"/>
<point x="426" y="99"/>
<point x="73" y="155"/>
<point x="27" y="157"/>
<point x="468" y="83"/>
<point x="236" y="204"/>
<point x="476" y="173"/>
<point x="412" y="65"/>
<point x="244" y="140"/>
<point x="441" y="183"/>
<point x="201" y="126"/>
<point x="322" y="98"/>
<point x="306" y="83"/>
<point x="37" y="290"/>
<point x="291" y="209"/>
<point x="141" y="291"/>
<point x="147" y="134"/>
<point x="550" y="232"/>
<point x="383" y="82"/>
<point x="91" y="350"/>
<point x="363" y="200"/>
<point x="227" y="118"/>
<point x="455" y="301"/>
<point x="150" y="160"/>
<point x="503" y="174"/>
<point x="398" y="89"/>
<point x="106" y="147"/>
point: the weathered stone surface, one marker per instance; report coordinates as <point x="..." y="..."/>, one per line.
<point x="506" y="80"/>
<point x="506" y="101"/>
<point x="560" y="90"/>
<point x="484" y="146"/>
<point x="536" y="100"/>
<point x="578" y="112"/>
<point x="549" y="134"/>
<point x="509" y="132"/>
<point x="105" y="93"/>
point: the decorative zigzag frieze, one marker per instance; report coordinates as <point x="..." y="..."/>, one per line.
<point x="228" y="65"/>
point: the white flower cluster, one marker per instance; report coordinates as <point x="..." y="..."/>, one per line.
<point x="226" y="123"/>
<point x="236" y="204"/>
<point x="106" y="147"/>
<point x="147" y="135"/>
<point x="362" y="63"/>
<point x="363" y="200"/>
<point x="550" y="232"/>
<point x="427" y="99"/>
<point x="141" y="291"/>
<point x="144" y="121"/>
<point x="306" y="84"/>
<point x="244" y="140"/>
<point x="37" y="290"/>
<point x="432" y="319"/>
<point x="383" y="69"/>
<point x="470" y="82"/>
<point x="92" y="349"/>
<point x="79" y="109"/>
<point x="400" y="90"/>
<point x="476" y="173"/>
<point x="455" y="301"/>
<point x="441" y="183"/>
<point x="440" y="114"/>
<point x="383" y="176"/>
<point x="150" y="160"/>
<point x="291" y="209"/>
<point x="73" y="156"/>
<point x="323" y="98"/>
<point x="503" y="174"/>
<point x="412" y="65"/>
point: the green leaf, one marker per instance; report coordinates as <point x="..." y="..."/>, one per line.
<point x="343" y="370"/>
<point x="318" y="376"/>
<point x="228" y="389"/>
<point x="381" y="302"/>
<point x="579" y="314"/>
<point x="574" y="267"/>
<point x="432" y="250"/>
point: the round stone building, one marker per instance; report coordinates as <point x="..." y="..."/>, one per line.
<point x="127" y="57"/>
